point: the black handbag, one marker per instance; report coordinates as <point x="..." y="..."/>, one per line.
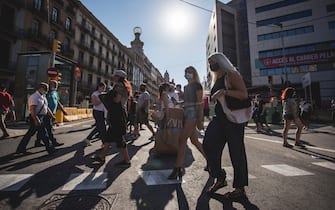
<point x="235" y="103"/>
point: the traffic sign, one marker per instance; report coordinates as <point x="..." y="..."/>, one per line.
<point x="52" y="72"/>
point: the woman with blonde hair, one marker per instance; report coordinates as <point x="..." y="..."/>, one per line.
<point x="193" y="119"/>
<point x="290" y="114"/>
<point x="227" y="82"/>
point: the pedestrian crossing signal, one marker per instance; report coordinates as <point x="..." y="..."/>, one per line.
<point x="56" y="46"/>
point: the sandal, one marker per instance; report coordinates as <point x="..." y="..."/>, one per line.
<point x="220" y="182"/>
<point x="236" y="194"/>
<point x="287" y="145"/>
<point x="300" y="145"/>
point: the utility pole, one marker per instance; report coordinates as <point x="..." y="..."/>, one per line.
<point x="283" y="51"/>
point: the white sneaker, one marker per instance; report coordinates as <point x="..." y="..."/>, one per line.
<point x="87" y="142"/>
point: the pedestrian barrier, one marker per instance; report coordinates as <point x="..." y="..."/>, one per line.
<point x="74" y="113"/>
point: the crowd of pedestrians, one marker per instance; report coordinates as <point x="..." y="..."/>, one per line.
<point x="117" y="110"/>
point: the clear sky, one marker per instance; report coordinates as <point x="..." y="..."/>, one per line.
<point x="174" y="32"/>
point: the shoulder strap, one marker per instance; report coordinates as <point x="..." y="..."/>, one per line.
<point x="41" y="106"/>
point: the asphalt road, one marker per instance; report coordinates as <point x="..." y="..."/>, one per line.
<point x="279" y="178"/>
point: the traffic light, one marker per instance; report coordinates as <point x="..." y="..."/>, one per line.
<point x="59" y="78"/>
<point x="56" y="45"/>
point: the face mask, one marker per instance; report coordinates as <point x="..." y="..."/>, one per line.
<point x="214" y="67"/>
<point x="43" y="92"/>
<point x="188" y="76"/>
<point x="53" y="88"/>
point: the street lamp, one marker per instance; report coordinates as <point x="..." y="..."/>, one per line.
<point x="283" y="50"/>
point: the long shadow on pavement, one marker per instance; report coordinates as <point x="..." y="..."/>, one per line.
<point x="158" y="196"/>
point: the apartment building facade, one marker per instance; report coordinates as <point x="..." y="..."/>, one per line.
<point x="292" y="40"/>
<point x="28" y="29"/>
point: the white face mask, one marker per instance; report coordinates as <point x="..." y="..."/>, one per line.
<point x="188" y="76"/>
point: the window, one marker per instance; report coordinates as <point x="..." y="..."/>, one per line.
<point x="106" y="69"/>
<point x="99" y="67"/>
<point x="38" y="4"/>
<point x="35" y="27"/>
<point x="81" y="57"/>
<point x="66" y="43"/>
<point x="92" y="45"/>
<point x="52" y="35"/>
<point x="89" y="79"/>
<point x="82" y="37"/>
<point x="68" y="24"/>
<point x="292" y="32"/>
<point x="91" y="61"/>
<point x="331" y="25"/>
<point x="330" y="8"/>
<point x="284" y="18"/>
<point x="277" y="5"/>
<point x="54" y="15"/>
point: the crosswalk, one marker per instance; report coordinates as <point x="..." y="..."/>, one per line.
<point x="98" y="180"/>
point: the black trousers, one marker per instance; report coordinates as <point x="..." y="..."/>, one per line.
<point x="217" y="134"/>
<point x="41" y="130"/>
<point x="48" y="125"/>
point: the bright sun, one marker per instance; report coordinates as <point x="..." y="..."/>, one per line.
<point x="177" y="23"/>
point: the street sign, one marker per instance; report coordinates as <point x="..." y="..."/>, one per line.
<point x="52" y="72"/>
<point x="306" y="80"/>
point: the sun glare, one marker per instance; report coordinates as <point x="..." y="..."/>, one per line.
<point x="176" y="22"/>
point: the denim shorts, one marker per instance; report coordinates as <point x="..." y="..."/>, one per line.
<point x="190" y="113"/>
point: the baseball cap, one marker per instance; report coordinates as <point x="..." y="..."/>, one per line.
<point x="120" y="73"/>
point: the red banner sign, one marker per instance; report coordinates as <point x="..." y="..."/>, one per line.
<point x="299" y="59"/>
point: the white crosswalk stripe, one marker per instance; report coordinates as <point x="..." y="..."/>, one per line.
<point x="325" y="164"/>
<point x="286" y="170"/>
<point x="98" y="180"/>
<point x="86" y="181"/>
<point x="158" y="177"/>
<point x="13" y="182"/>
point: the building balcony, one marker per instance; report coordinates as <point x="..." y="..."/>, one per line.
<point x="42" y="13"/>
<point x="84" y="27"/>
<point x="36" y="37"/>
<point x="70" y="32"/>
<point x="59" y="24"/>
<point x="84" y="45"/>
